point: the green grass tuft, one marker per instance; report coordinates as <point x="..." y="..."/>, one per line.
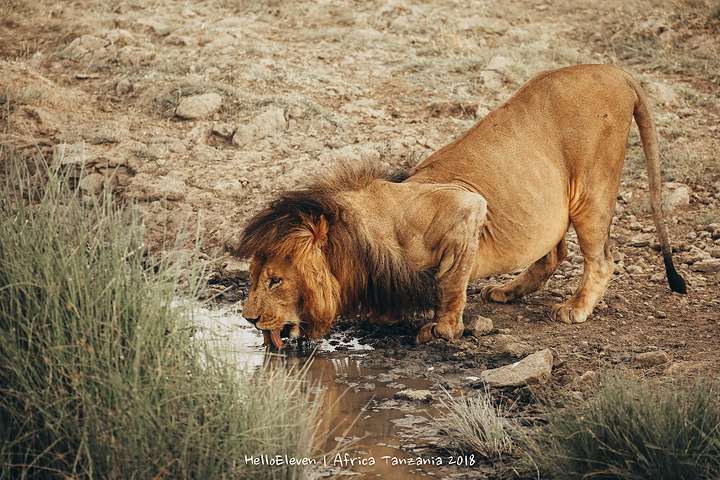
<point x="99" y="374"/>
<point x="635" y="429"/>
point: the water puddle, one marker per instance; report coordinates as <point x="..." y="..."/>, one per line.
<point x="381" y="417"/>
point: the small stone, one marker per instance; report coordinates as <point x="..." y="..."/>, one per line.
<point x="479" y="326"/>
<point x="535" y="368"/>
<point x="335" y="143"/>
<point x="492" y="79"/>
<point x="710" y="265"/>
<point x="199" y="106"/>
<point x="233" y="268"/>
<point x="641" y="240"/>
<point x="651" y="359"/>
<point x="679" y="197"/>
<point x="634" y="270"/>
<point x="414" y="395"/>
<point x="225" y="130"/>
<point x="588" y="377"/>
<point x="363" y="387"/>
<point x="93" y="183"/>
<point x="271" y="121"/>
<point x="123" y="87"/>
<point x="244" y="135"/>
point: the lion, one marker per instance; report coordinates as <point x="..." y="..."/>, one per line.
<point x="499" y="198"/>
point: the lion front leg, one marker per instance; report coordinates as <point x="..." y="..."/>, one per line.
<point x="448" y="321"/>
<point x="453" y="277"/>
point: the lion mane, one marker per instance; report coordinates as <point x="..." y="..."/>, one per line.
<point x="345" y="270"/>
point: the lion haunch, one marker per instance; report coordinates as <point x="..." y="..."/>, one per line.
<point x="499" y="198"/>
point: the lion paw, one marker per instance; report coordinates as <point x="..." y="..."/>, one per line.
<point x="561" y="312"/>
<point x="494" y="294"/>
<point x="431" y="331"/>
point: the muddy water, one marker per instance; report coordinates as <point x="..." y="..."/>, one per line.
<point x="365" y="413"/>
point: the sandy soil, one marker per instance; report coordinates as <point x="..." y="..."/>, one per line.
<point x="303" y="84"/>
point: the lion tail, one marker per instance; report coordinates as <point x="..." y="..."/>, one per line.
<point x="648" y="134"/>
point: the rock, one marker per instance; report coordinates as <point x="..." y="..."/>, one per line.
<point x="123" y="87"/>
<point x="535" y="368"/>
<point x="88" y="48"/>
<point x="693" y="255"/>
<point x="362" y="387"/>
<point x="715" y="252"/>
<point x="335" y="143"/>
<point x="710" y="265"/>
<point x="233" y="268"/>
<point x="199" y="106"/>
<point x="224" y="130"/>
<point x="270" y="122"/>
<point x="93" y="183"/>
<point x="588" y="377"/>
<point x="679" y="197"/>
<point x="244" y="135"/>
<point x="414" y="395"/>
<point x="482" y="111"/>
<point x="634" y="270"/>
<point x="479" y="326"/>
<point x="641" y="240"/>
<point x="651" y="359"/>
<point x="514" y="349"/>
<point x="492" y="79"/>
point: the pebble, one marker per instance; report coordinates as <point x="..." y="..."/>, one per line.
<point x="414" y="395"/>
<point x="199" y="106"/>
<point x="651" y="359"/>
<point x="479" y="326"/>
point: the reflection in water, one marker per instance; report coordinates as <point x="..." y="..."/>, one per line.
<point x="374" y="432"/>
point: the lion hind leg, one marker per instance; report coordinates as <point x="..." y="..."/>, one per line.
<point x="598" y="271"/>
<point x="530" y="280"/>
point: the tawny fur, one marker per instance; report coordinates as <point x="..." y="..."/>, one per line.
<point x="344" y="269"/>
<point x="499" y="198"/>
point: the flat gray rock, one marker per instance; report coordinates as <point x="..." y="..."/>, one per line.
<point x="535" y="368"/>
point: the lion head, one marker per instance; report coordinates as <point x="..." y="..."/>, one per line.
<point x="311" y="262"/>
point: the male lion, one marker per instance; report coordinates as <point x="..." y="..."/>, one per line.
<point x="499" y="198"/>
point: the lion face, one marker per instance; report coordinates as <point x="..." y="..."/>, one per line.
<point x="275" y="299"/>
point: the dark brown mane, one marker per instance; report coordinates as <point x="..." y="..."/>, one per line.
<point x="370" y="275"/>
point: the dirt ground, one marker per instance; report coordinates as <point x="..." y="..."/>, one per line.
<point x="305" y="83"/>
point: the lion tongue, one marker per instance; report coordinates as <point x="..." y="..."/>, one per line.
<point x="272" y="337"/>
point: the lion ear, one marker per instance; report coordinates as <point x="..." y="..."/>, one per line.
<point x="319" y="232"/>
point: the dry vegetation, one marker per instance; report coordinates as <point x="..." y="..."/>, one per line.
<point x="305" y="83"/>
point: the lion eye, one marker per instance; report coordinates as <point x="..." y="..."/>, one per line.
<point x="275" y="281"/>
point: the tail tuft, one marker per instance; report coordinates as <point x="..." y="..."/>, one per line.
<point x="676" y="281"/>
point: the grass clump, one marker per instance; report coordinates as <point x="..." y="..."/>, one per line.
<point x="635" y="429"/>
<point x="99" y="374"/>
<point x="475" y="424"/>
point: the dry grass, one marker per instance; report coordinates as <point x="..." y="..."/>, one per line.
<point x="475" y="424"/>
